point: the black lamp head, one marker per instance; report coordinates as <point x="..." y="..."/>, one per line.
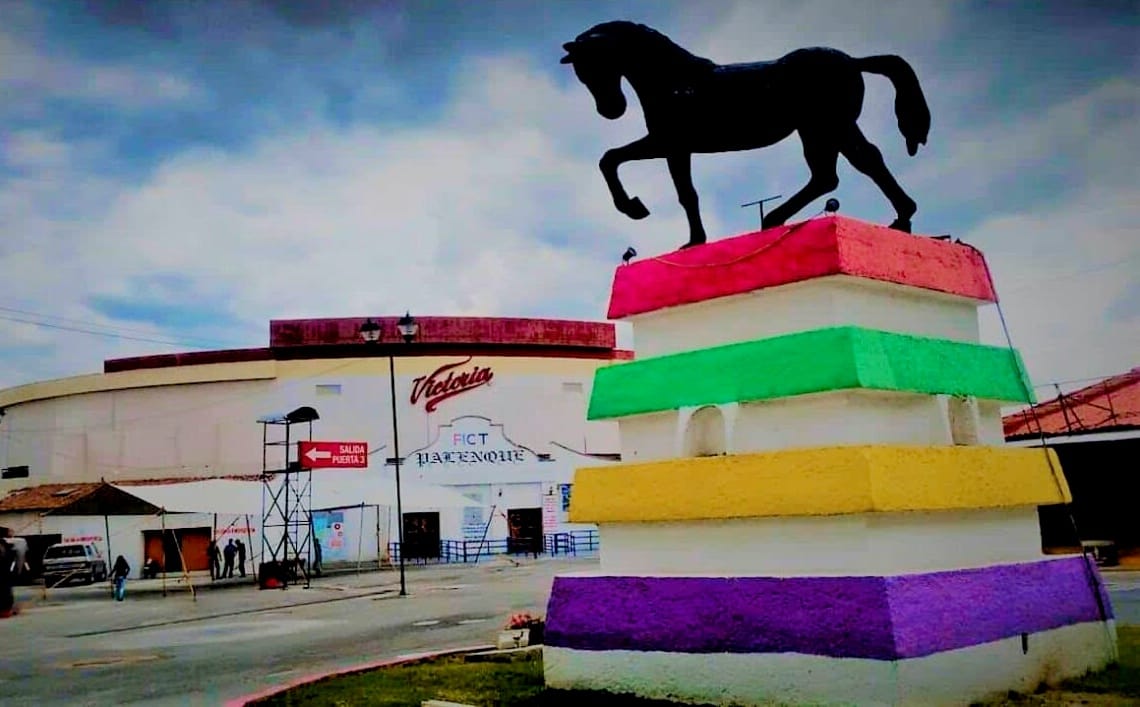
<point x="408" y="327"/>
<point x="370" y="331"/>
<point x="628" y="255"/>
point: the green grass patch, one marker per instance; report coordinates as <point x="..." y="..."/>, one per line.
<point x="518" y="682"/>
<point x="1124" y="677"/>
<point x="515" y="683"/>
<point x="1117" y="685"/>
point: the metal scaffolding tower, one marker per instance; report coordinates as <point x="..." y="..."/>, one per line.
<point x="286" y="499"/>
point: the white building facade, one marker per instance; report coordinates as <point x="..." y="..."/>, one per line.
<point x="493" y="408"/>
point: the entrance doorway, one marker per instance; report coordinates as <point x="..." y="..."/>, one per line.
<point x="525" y="530"/>
<point x="161" y="547"/>
<point x="421" y="536"/>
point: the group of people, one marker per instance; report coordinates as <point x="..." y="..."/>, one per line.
<point x="234" y="550"/>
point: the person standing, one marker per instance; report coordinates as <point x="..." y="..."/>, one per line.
<point x="119" y="576"/>
<point x="241" y="557"/>
<point x="212" y="556"/>
<point x="7" y="578"/>
<point x="228" y="555"/>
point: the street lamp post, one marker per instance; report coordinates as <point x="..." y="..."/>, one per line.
<point x="370" y="332"/>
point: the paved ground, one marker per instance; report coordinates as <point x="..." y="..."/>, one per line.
<point x="1124" y="588"/>
<point x="81" y="648"/>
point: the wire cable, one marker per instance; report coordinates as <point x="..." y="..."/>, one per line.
<point x="1090" y="570"/>
<point x="788" y="230"/>
<point x="84" y="323"/>
<point x="93" y="332"/>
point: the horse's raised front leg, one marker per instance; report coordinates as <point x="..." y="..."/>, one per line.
<point x="866" y="158"/>
<point x="681" y="170"/>
<point x="821" y="155"/>
<point x="643" y="149"/>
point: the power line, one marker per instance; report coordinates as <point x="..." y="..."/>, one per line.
<point x="1046" y="279"/>
<point x="111" y="329"/>
<point x="1074" y="381"/>
<point x="92" y="332"/>
<point x="85" y="322"/>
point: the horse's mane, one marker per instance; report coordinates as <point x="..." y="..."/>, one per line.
<point x="649" y="38"/>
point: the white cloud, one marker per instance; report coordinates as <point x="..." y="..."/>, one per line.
<point x="1064" y="270"/>
<point x="29" y="76"/>
<point x="1060" y="271"/>
<point x="439" y="219"/>
<point x="444" y="218"/>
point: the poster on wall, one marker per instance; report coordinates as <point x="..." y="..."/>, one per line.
<point x="328" y="527"/>
<point x="549" y="509"/>
<point x="473" y="523"/>
<point x="564" y="489"/>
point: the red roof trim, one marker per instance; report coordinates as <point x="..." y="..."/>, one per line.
<point x="832" y="245"/>
<point x="448" y="330"/>
<point x="192" y="358"/>
<point x="293" y="339"/>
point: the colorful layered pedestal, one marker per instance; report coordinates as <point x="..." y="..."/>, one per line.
<point x="815" y="506"/>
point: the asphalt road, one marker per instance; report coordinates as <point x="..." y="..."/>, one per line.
<point x="81" y="648"/>
<point x="151" y="650"/>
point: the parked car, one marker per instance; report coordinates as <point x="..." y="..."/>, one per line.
<point x="68" y="562"/>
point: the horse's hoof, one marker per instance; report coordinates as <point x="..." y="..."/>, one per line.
<point x="901" y="224"/>
<point x="635" y="209"/>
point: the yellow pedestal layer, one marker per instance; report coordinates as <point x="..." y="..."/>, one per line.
<point x="819" y="482"/>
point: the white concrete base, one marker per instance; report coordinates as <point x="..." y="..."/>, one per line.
<point x="846" y="417"/>
<point x="837" y="300"/>
<point x="956" y="677"/>
<point x="877" y="544"/>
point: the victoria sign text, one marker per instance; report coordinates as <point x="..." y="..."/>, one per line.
<point x="445" y="382"/>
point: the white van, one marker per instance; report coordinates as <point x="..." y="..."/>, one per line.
<point x="69" y="562"/>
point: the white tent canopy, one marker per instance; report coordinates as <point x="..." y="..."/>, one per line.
<point x="329" y="490"/>
<point x="209" y="496"/>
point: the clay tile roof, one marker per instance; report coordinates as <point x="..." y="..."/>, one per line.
<point x="1112" y="405"/>
<point x="49" y="497"/>
<point x="44" y="497"/>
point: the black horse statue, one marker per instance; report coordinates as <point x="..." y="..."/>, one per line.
<point x="693" y="105"/>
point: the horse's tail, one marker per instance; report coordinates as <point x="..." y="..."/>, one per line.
<point x="910" y="103"/>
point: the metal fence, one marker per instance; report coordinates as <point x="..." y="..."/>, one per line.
<point x="574" y="543"/>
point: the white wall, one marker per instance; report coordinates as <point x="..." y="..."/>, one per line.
<point x="21" y="523"/>
<point x="208" y="429"/>
<point x="180" y="430"/>
<point x="857" y="544"/>
<point x="833" y="301"/>
<point x="836" y="418"/>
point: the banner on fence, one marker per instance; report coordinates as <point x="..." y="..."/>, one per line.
<point x="328" y="529"/>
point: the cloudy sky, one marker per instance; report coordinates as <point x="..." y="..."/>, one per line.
<point x="173" y="174"/>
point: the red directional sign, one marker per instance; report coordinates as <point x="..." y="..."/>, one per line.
<point x="333" y="455"/>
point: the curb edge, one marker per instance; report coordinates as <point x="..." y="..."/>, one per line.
<point x="362" y="668"/>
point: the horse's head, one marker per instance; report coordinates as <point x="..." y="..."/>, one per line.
<point x="596" y="66"/>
